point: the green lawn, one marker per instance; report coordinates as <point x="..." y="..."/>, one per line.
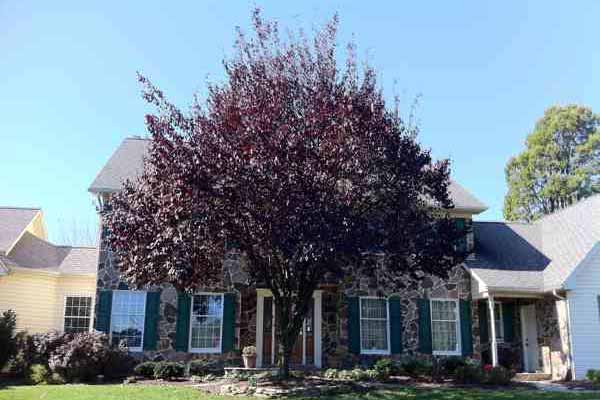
<point x="119" y="392"/>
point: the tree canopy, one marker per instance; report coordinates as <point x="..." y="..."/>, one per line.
<point x="297" y="162"/>
<point x="560" y="164"/>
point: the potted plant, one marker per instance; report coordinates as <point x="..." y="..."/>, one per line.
<point x="249" y="356"/>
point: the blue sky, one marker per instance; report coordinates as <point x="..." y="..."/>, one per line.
<point x="485" y="72"/>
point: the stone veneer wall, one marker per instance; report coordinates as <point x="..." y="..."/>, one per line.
<point x="553" y="336"/>
<point x="335" y="313"/>
<point x="108" y="279"/>
<point x="334" y="309"/>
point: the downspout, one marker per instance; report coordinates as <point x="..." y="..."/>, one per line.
<point x="570" y="352"/>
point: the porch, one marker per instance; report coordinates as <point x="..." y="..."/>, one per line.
<point x="526" y="332"/>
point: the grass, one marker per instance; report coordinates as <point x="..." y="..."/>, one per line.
<point x="134" y="392"/>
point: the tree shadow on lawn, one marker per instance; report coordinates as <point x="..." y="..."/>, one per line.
<point x="462" y="394"/>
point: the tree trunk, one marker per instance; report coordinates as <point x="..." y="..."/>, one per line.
<point x="284" y="361"/>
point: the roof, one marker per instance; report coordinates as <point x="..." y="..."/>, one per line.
<point x="536" y="256"/>
<point x="34" y="253"/>
<point x="127" y="162"/>
<point x="13" y="221"/>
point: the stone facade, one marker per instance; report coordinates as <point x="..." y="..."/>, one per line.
<point x="553" y="336"/>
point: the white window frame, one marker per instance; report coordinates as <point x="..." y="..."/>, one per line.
<point x="206" y="350"/>
<point x="387" y="317"/>
<point x="64" y="310"/>
<point x="458" y="350"/>
<point x="499" y="330"/>
<point x="132" y="349"/>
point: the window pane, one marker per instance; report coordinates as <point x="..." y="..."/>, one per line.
<point x="77" y="314"/>
<point x="127" y="319"/>
<point x="373" y="324"/>
<point x="207" y="318"/>
<point x="444" y="324"/>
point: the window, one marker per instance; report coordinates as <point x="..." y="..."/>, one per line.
<point x="127" y="318"/>
<point x="78" y="311"/>
<point x="374" y="328"/>
<point x="498" y="322"/>
<point x="445" y="327"/>
<point x="206" y="323"/>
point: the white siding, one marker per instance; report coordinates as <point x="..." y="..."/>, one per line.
<point x="585" y="314"/>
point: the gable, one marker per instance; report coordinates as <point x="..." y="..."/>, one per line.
<point x="14" y="222"/>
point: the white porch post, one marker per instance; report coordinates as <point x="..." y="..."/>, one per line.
<point x="260" y="309"/>
<point x="494" y="342"/>
<point x="317" y="314"/>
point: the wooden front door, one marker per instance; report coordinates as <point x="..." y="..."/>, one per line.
<point x="304" y="349"/>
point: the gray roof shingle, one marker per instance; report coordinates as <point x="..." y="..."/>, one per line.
<point x="540" y="255"/>
<point x="37" y="254"/>
<point x="13" y="221"/>
<point x="127" y="162"/>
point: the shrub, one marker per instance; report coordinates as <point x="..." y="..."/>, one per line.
<point x="384" y="367"/>
<point x="118" y="364"/>
<point x="38" y="374"/>
<point x="469" y="374"/>
<point x="593" y="375"/>
<point x="498" y="376"/>
<point x="24" y="356"/>
<point x="145" y="369"/>
<point x="200" y="367"/>
<point x="451" y="364"/>
<point x="331" y="373"/>
<point x="169" y="370"/>
<point x="8" y="324"/>
<point x="415" y="368"/>
<point x="82" y="358"/>
<point x="249" y="351"/>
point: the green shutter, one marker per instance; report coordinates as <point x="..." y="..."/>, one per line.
<point x="182" y="327"/>
<point x="104" y="310"/>
<point x="354" y="324"/>
<point x="395" y="325"/>
<point x="466" y="333"/>
<point x="484" y="325"/>
<point x="425" y="345"/>
<point x="461" y="226"/>
<point x="228" y="342"/>
<point x="151" y="320"/>
<point x="508" y="318"/>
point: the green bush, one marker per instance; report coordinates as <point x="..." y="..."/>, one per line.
<point x="451" y="364"/>
<point x="8" y="324"/>
<point x="593" y="375"/>
<point x="38" y="374"/>
<point x="200" y="367"/>
<point x="145" y="369"/>
<point x="169" y="370"/>
<point x="331" y="373"/>
<point x="384" y="368"/>
<point x="416" y="368"/>
<point x="117" y="364"/>
<point x="498" y="376"/>
<point x="469" y="374"/>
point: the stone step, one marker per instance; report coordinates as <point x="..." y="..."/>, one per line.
<point x="532" y="376"/>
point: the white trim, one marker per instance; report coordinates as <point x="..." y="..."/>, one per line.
<point x="458" y="350"/>
<point x="132" y="349"/>
<point x="260" y="305"/>
<point x="387" y="318"/>
<point x="494" y="341"/>
<point x="207" y="350"/>
<point x="317" y="328"/>
<point x="92" y="305"/>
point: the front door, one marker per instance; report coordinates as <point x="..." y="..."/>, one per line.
<point x="530" y="343"/>
<point x="303" y="351"/>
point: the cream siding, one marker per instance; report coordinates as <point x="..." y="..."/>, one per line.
<point x="584" y="311"/>
<point x="38" y="298"/>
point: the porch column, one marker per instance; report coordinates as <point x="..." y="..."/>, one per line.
<point x="494" y="342"/>
<point x="317" y="313"/>
<point x="260" y="310"/>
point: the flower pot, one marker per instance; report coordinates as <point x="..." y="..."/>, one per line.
<point x="249" y="361"/>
